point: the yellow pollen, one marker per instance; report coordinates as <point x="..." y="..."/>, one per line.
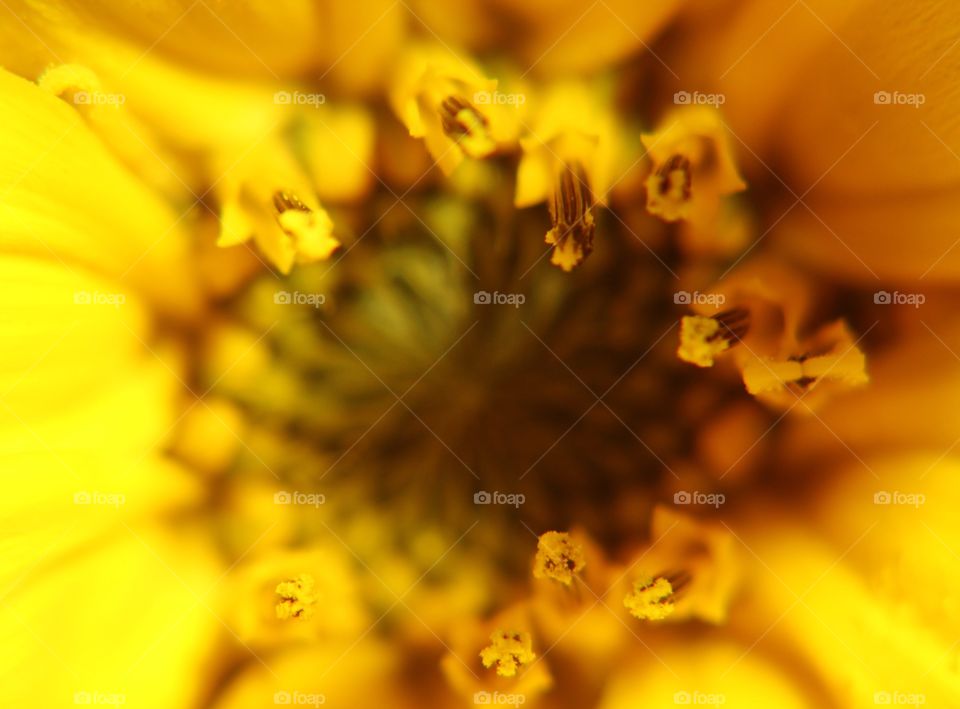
<point x="298" y="597"/>
<point x="702" y="338"/>
<point x="765" y="375"/>
<point x="509" y="651"/>
<point x="558" y="558"/>
<point x="650" y="599"/>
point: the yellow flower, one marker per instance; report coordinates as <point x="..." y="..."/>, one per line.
<point x="858" y="110"/>
<point x="708" y="672"/>
<point x="693" y="166"/>
<point x="764" y="322"/>
<point x="868" y="594"/>
<point x="283" y="406"/>
<point x="94" y="579"/>
<point x="279" y="213"/>
<point x="569" y="159"/>
<point x="445" y="99"/>
<point x="497" y="656"/>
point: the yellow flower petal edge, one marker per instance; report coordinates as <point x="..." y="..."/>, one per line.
<point x="145" y="614"/>
<point x="67" y="198"/>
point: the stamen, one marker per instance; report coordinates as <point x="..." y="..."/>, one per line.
<point x="509" y="651"/>
<point x="652" y="598"/>
<point x="283" y="201"/>
<point x="310" y="230"/>
<point x="558" y="558"/>
<point x="459" y="116"/>
<point x="703" y="338"/>
<point x="680" y="580"/>
<point x="801" y="373"/>
<point x="573" y="224"/>
<point x="675" y="177"/>
<point x="463" y="123"/>
<point x="298" y="597"/>
<point x="670" y="187"/>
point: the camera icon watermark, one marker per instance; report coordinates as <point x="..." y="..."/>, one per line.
<point x="683" y="297"/>
<point x="482" y="297"/>
<point x="284" y="297"/>
<point x="899" y="98"/>
<point x="513" y="499"/>
<point x="712" y="499"/>
<point x="295" y="497"/>
<point x="908" y="499"/>
<point x="882" y="297"/>
<point x="698" y="98"/>
<point x="299" y="98"/>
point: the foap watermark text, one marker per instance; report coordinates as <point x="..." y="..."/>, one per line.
<point x="514" y="499"/>
<point x="694" y="497"/>
<point x="482" y="297"/>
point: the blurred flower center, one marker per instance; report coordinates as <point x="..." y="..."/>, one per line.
<point x="447" y="356"/>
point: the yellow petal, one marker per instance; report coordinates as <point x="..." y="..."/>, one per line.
<point x="103" y="625"/>
<point x="910" y="402"/>
<point x="339" y="150"/>
<point x="753" y="54"/>
<point x="910" y="237"/>
<point x="267" y="196"/>
<point x="67" y="199"/>
<point x="886" y="93"/>
<point x="439" y="96"/>
<point x="566" y="37"/>
<point x="257" y="39"/>
<point x="868" y="636"/>
<point x="85" y="409"/>
<point x="322" y="675"/>
<point x="704" y="672"/>
<point x="692" y="165"/>
<point x="845" y="100"/>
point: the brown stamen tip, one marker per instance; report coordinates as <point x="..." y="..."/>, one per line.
<point x="679" y="580"/>
<point x="666" y="174"/>
<point x="734" y="325"/>
<point x="570" y="209"/>
<point x="284" y="201"/>
<point x="452" y="121"/>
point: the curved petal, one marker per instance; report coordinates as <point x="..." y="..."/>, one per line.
<point x="65" y="198"/>
<point x="259" y="38"/>
<point x="124" y="624"/>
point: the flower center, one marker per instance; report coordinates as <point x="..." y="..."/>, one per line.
<point x="442" y="370"/>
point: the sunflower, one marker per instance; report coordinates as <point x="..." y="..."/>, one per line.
<point x="403" y="354"/>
